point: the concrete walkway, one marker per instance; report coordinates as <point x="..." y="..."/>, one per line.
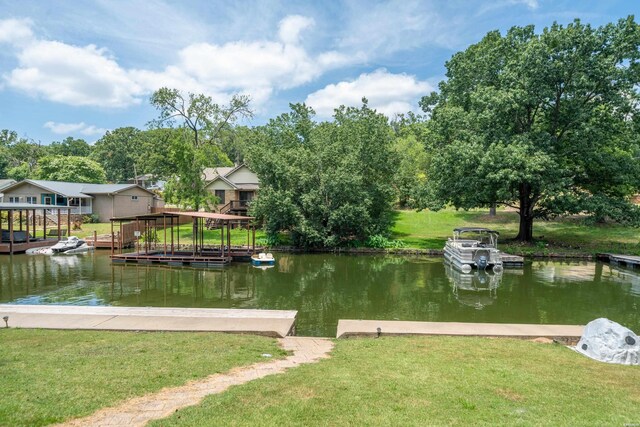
<point x="347" y="328"/>
<point x="140" y="410"/>
<point x="276" y="323"/>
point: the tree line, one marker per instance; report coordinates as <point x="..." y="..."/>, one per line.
<point x="546" y="123"/>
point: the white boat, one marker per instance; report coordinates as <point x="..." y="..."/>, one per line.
<point x="262" y="259"/>
<point x="473" y="247"/>
<point x="71" y="245"/>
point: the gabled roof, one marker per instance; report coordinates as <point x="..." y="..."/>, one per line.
<point x="225" y="175"/>
<point x="212" y="173"/>
<point x="77" y="189"/>
<point x="6" y="182"/>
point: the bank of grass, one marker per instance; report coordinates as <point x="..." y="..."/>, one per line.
<point x="212" y="237"/>
<point x="50" y="376"/>
<point x="432" y="381"/>
<point x="430" y="230"/>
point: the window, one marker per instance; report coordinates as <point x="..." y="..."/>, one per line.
<point x="14" y="199"/>
<point x="220" y="197"/>
<point x="31" y="200"/>
<point x="134" y="198"/>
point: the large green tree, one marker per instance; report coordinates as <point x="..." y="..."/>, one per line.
<point x="70" y="147"/>
<point x="328" y="184"/>
<point x="544" y="122"/>
<point x="70" y="169"/>
<point x="202" y="124"/>
<point x="119" y="151"/>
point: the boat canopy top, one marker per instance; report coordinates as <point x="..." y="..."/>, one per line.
<point x="474" y="230"/>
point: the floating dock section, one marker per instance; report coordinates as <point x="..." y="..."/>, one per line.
<point x="512" y="261"/>
<point x="276" y="323"/>
<point x="625" y="260"/>
<point x="350" y="328"/>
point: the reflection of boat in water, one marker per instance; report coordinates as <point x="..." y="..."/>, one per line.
<point x="478" y="249"/>
<point x="262" y="259"/>
<point x="476" y="289"/>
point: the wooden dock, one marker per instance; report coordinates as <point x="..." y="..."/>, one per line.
<point x="625" y="260"/>
<point x="350" y="328"/>
<point x="276" y="323"/>
<point x="512" y="261"/>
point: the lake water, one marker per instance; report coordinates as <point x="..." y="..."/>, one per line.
<point x="325" y="288"/>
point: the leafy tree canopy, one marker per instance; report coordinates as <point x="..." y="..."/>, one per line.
<point x="69" y="147"/>
<point x="70" y="169"/>
<point x="329" y="183"/>
<point x="202" y="124"/>
<point x="547" y="123"/>
<point x="118" y="151"/>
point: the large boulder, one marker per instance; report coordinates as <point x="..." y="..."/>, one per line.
<point x="608" y="341"/>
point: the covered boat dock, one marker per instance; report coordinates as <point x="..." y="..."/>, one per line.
<point x="26" y="235"/>
<point x="157" y="239"/>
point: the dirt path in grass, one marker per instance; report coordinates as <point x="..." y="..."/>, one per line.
<point x="140" y="410"/>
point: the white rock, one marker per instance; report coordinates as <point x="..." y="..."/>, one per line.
<point x="608" y="341"/>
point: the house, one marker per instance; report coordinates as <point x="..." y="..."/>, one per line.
<point x="148" y="181"/>
<point x="105" y="200"/>
<point x="235" y="187"/>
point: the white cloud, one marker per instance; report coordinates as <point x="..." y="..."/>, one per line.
<point x="74" y="128"/>
<point x="291" y="27"/>
<point x="91" y="76"/>
<point x="16" y="32"/>
<point x="388" y="93"/>
<point x="80" y="76"/>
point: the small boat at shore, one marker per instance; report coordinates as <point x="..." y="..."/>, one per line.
<point x="473" y="247"/>
<point x="262" y="259"/>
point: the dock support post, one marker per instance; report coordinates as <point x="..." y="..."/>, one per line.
<point x="27" y="223"/>
<point x="44" y="224"/>
<point x="68" y="222"/>
<point x="59" y="219"/>
<point x="113" y="244"/>
<point x="10" y="218"/>
<point x="164" y="226"/>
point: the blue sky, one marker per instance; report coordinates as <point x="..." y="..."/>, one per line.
<point x="79" y="68"/>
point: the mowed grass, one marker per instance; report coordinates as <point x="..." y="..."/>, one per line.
<point x="430" y="230"/>
<point x="50" y="376"/>
<point x="211" y="237"/>
<point x="432" y="381"/>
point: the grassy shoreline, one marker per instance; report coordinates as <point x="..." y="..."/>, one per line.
<point x="49" y="376"/>
<point x="432" y="381"/>
<point x="426" y="232"/>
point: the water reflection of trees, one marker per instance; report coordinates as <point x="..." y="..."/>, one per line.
<point x="325" y="288"/>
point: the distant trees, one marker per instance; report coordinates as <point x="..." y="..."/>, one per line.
<point x="328" y="184"/>
<point x="70" y="169"/>
<point x="118" y="151"/>
<point x="70" y="147"/>
<point x="546" y="123"/>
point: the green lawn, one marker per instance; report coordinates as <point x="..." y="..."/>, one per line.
<point x="432" y="381"/>
<point x="50" y="376"/>
<point x="430" y="230"/>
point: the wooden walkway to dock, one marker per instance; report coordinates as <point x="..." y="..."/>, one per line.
<point x="626" y="260"/>
<point x="276" y="323"/>
<point x="350" y="328"/>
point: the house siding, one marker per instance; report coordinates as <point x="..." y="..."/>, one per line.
<point x="126" y="206"/>
<point x="244" y="175"/>
<point x="103" y="207"/>
<point x="24" y="190"/>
